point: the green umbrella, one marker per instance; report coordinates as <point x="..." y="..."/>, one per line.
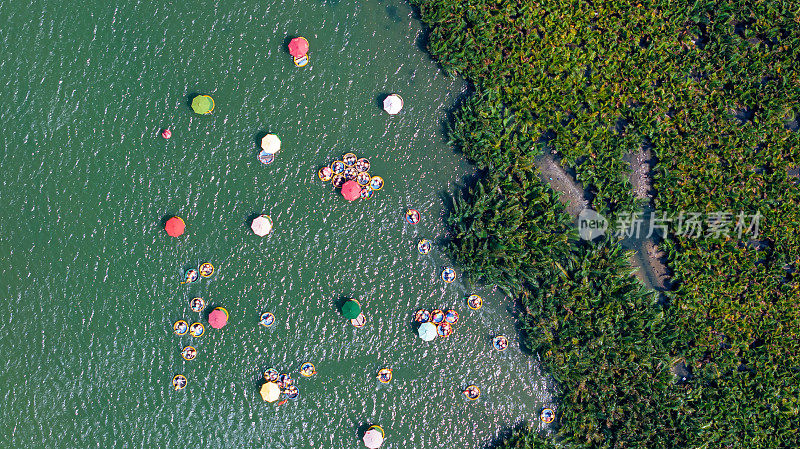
<point x="351" y="309"/>
<point x="203" y="104"/>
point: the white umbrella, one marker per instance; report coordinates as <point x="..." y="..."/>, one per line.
<point x="262" y="225"/>
<point x="270" y="392"/>
<point x="427" y="331"/>
<point x="271" y="144"/>
<point x="373" y="438"/>
<point x="393" y="104"/>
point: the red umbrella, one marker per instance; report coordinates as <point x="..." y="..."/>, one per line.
<point x="298" y="47"/>
<point x="218" y="319"/>
<point x="351" y="190"/>
<point x="175" y="226"/>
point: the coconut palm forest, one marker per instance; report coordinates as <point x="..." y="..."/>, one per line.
<point x="709" y="92"/>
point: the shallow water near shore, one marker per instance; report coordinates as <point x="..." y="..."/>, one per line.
<point x="92" y="281"/>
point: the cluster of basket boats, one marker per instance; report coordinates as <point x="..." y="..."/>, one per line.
<point x="352" y="168"/>
<point x="444" y="321"/>
<point x="205" y="270"/>
<point x="181" y="327"/>
<point x="285" y="382"/>
<point x="196" y="329"/>
<point x="288" y="389"/>
<point x="282" y="386"/>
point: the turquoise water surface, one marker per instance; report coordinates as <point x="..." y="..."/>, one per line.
<point x="91" y="280"/>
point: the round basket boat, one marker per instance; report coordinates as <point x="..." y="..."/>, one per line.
<point x="307" y="369"/>
<point x="376" y="183"/>
<point x="472" y="392"/>
<point x="189" y="353"/>
<point x="359" y="321"/>
<point x="385" y="375"/>
<point x="325" y="174"/>
<point x="350" y="173"/>
<point x="197" y="304"/>
<point x="424" y="246"/>
<point x="362" y="178"/>
<point x="285" y="380"/>
<point x="448" y="275"/>
<point x="422" y="316"/>
<point x="265" y="158"/>
<point x="367" y="193"/>
<point x="180" y="327"/>
<point x="197" y="330"/>
<point x="338" y="180"/>
<point x="413" y="216"/>
<point x="302" y="61"/>
<point x="500" y="342"/>
<point x="349" y="159"/>
<point x="362" y="164"/>
<point x="179" y="382"/>
<point x="267" y="319"/>
<point x="474" y="302"/>
<point x="291" y="392"/>
<point x="451" y="316"/>
<point x="547" y="416"/>
<point x="437" y="316"/>
<point x="206" y="270"/>
<point x="444" y="329"/>
<point x="191" y="276"/>
<point x="337" y="167"/>
<point x="271" y="375"/>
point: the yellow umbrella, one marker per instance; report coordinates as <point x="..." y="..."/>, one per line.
<point x="270" y="392"/>
<point x="271" y="143"/>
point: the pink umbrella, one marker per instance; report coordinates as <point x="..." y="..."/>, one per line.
<point x="298" y="47"/>
<point x="218" y="318"/>
<point x="351" y="190"/>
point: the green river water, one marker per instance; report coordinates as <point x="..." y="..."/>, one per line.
<point x="91" y="280"/>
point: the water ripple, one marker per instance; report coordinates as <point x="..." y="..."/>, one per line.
<point x="92" y="287"/>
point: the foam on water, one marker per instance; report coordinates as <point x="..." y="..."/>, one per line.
<point x="91" y="280"/>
